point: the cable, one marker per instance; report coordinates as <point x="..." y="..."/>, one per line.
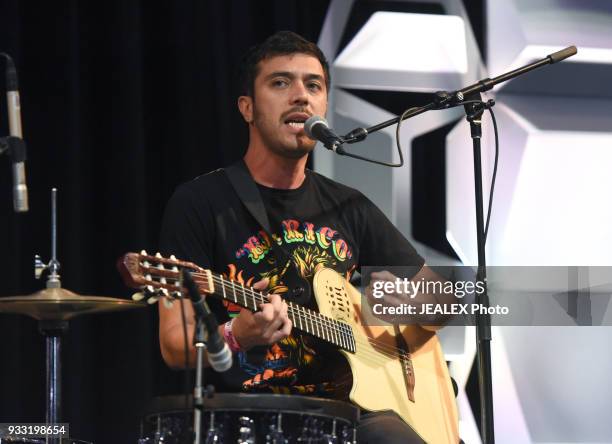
<point x="397" y="144"/>
<point x="397" y="137"/>
<point x="494" y="173"/>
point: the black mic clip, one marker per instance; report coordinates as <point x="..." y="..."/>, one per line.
<point x="447" y="99"/>
<point x="477" y="109"/>
<point x="15" y="147"/>
<point x="443" y="99"/>
<point x="356" y="135"/>
<point x="200" y="334"/>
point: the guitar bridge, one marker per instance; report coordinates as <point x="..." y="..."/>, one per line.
<point x="406" y="363"/>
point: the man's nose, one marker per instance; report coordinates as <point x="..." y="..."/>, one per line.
<point x="299" y="93"/>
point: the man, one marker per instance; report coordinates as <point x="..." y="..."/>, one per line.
<point x="320" y="223"/>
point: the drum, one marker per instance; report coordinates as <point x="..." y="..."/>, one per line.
<point x="252" y="419"/>
<point x="40" y="441"/>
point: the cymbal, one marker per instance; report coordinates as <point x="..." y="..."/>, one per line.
<point x="59" y="304"/>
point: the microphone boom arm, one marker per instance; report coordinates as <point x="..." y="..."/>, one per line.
<point x="445" y="99"/>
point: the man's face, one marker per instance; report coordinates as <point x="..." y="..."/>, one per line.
<point x="288" y="90"/>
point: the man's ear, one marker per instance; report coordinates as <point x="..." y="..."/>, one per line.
<point x="245" y="105"/>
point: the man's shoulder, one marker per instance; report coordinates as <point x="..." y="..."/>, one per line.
<point x="336" y="187"/>
<point x="341" y="194"/>
<point x="204" y="184"/>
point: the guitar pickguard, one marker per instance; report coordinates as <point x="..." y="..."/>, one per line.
<point x="333" y="300"/>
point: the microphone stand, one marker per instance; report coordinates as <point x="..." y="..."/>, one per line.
<point x="201" y="335"/>
<point x="199" y="341"/>
<point x="470" y="98"/>
<point x="483" y="320"/>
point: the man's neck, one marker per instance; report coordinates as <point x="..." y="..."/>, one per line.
<point x="271" y="170"/>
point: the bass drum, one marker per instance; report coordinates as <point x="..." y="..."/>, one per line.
<point x="252" y="419"/>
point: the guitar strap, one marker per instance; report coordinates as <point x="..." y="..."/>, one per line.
<point x="248" y="193"/>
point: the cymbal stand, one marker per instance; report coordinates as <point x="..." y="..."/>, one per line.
<point x="53" y="330"/>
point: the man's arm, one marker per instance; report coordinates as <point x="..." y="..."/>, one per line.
<point x="267" y="326"/>
<point x="418" y="299"/>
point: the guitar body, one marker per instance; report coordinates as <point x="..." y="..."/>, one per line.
<point x="379" y="378"/>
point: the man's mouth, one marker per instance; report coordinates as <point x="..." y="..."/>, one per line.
<point x="295" y="123"/>
<point x="296" y="120"/>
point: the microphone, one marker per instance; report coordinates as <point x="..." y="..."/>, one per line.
<point x="317" y="128"/>
<point x="20" y="189"/>
<point x="219" y="354"/>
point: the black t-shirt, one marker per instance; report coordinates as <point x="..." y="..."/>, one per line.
<point x="320" y="224"/>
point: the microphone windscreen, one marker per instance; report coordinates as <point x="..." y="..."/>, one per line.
<point x="311" y="123"/>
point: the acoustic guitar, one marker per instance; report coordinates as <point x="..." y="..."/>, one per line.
<point x="388" y="367"/>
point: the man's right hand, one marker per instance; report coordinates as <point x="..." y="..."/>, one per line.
<point x="268" y="325"/>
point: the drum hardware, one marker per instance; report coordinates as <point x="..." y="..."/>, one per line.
<point x="53" y="307"/>
<point x="247" y="432"/>
<point x="212" y="435"/>
<point x="276" y="435"/>
<point x="254" y="419"/>
<point x="40" y="441"/>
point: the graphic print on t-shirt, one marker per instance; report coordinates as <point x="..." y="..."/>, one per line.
<point x="293" y="359"/>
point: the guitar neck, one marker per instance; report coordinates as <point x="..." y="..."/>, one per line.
<point x="325" y="328"/>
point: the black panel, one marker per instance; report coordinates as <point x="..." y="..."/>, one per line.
<point x="429" y="189"/>
<point x="561" y="80"/>
<point x="476" y="12"/>
<point x="395" y="102"/>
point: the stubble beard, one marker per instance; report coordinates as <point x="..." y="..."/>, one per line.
<point x="266" y="130"/>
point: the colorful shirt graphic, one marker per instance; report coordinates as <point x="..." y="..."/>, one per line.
<point x="312" y="249"/>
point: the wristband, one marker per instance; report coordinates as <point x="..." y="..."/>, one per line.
<point x="229" y="337"/>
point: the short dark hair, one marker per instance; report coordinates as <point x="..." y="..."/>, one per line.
<point x="281" y="43"/>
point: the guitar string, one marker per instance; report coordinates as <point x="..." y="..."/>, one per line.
<point x="318" y="319"/>
<point x="325" y="324"/>
<point x="309" y="315"/>
<point x="312" y="316"/>
<point x="391" y="351"/>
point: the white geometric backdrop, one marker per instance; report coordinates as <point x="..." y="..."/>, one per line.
<point x="553" y="198"/>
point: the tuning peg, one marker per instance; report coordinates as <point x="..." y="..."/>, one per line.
<point x="138" y="296"/>
<point x="143" y="253"/>
<point x="177" y="294"/>
<point x="152" y="300"/>
<point x="158" y="255"/>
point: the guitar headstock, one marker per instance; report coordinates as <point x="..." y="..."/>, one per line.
<point x="160" y="277"/>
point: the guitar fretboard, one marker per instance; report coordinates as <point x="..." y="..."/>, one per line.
<point x="335" y="332"/>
